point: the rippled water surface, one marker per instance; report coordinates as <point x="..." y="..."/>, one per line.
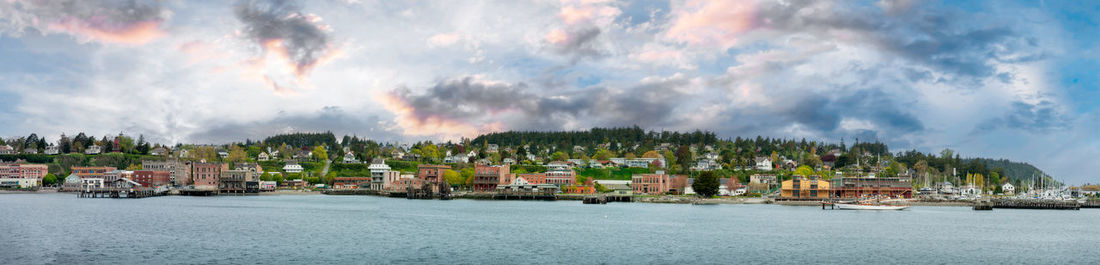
<point x="64" y="229"/>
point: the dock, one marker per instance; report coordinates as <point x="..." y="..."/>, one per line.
<point x="1036" y="204"/>
<point x="113" y="192"/>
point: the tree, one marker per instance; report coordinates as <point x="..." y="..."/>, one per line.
<point x="319" y="153"/>
<point x="630" y="155"/>
<point x="559" y="156"/>
<point x="453" y="176"/>
<point x="651" y="154"/>
<point x="684" y="157"/>
<point x="266" y="176"/>
<point x="706" y="184"/>
<point x="804" y="171"/>
<point x="49" y="180"/>
<point x="236" y="154"/>
<point x="602" y="154"/>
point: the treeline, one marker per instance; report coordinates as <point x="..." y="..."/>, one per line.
<point x="302" y="139"/>
<point x="596" y="136"/>
<point x="81" y="142"/>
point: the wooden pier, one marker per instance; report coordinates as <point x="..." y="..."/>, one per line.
<point x="112" y="192"/>
<point x="1036" y="204"/>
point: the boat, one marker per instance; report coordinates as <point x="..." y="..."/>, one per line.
<point x="872" y="204"/>
<point x="869" y="206"/>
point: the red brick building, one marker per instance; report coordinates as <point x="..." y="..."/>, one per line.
<point x="91" y="172"/>
<point x="149" y="178"/>
<point x="205" y="175"/>
<point x="650" y="183"/>
<point x="431" y="173"/>
<point x="486" y="178"/>
<point x="351" y="183"/>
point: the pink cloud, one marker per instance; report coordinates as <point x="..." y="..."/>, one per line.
<point x="712" y="22"/>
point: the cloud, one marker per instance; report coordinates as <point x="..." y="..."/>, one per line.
<point x="331" y="118"/>
<point x="467" y="106"/>
<point x="584" y="21"/>
<point x="121" y="22"/>
<point x="287" y="36"/>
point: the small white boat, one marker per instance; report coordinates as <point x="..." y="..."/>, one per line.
<point x="853" y="206"/>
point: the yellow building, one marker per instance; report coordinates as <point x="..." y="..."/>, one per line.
<point x="800" y="187"/>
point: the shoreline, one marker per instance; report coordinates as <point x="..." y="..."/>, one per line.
<point x="569" y="197"/>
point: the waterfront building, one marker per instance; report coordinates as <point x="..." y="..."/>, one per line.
<point x="71" y="183"/>
<point x="487" y="178"/>
<point x="205" y="175"/>
<point x="91" y="183"/>
<point x="91" y="172"/>
<point x="179" y="172"/>
<point x="112" y="176"/>
<point x="268" y="185"/>
<point x="351" y="183"/>
<point x="521" y="185"/>
<point x="433" y="174"/>
<point x="859" y="187"/>
<point x="650" y="183"/>
<point x="378" y="172"/>
<point x="25" y="175"/>
<point x="617" y="187"/>
<point x="149" y="178"/>
<point x="802" y="187"/>
<point x="296" y="183"/>
<point x="404" y="182"/>
<point x="234" y="181"/>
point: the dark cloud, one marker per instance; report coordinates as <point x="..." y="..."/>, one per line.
<point x="114" y="21"/>
<point x="470" y="100"/>
<point x="332" y="119"/>
<point x="582" y="43"/>
<point x="304" y="41"/>
<point x="1043" y="116"/>
<point x="939" y="37"/>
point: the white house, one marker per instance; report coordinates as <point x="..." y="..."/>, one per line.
<point x="6" y="150"/>
<point x="292" y="168"/>
<point x="349" y="158"/>
<point x="764" y="163"/>
<point x="52" y="150"/>
<point x="263" y="156"/>
<point x="1008" y="189"/>
<point x="508" y="161"/>
<point x="93" y="150"/>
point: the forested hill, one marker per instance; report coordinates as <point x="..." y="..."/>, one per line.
<point x="1015" y="170"/>
<point x="596" y="136"/>
<point x="302" y="139"/>
<point x="740" y="152"/>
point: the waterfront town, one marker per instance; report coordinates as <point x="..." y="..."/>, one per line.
<point x="709" y="171"/>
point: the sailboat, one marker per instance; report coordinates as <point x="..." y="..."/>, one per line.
<point x="870" y="205"/>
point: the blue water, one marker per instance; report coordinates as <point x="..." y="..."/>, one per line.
<point x="298" y="229"/>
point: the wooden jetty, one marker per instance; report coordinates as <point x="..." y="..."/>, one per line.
<point x="1036" y="204"/>
<point x="983" y="205"/>
<point x="594" y="200"/>
<point x="114" y="192"/>
<point x="525" y="195"/>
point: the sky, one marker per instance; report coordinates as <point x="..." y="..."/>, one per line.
<point x="998" y="79"/>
